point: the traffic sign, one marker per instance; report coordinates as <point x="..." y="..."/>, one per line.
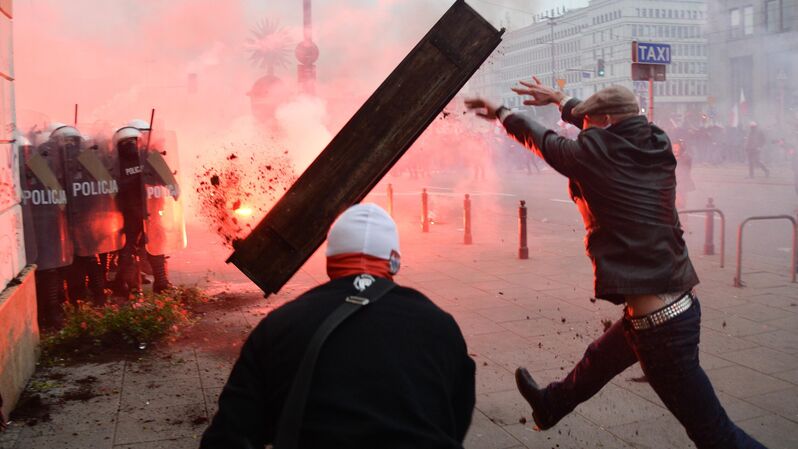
<point x="651" y="53"/>
<point x="645" y="72"/>
<point x="561" y="83"/>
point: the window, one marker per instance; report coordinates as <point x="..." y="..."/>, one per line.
<point x="748" y="20"/>
<point x="734" y="22"/>
<point x="773" y="16"/>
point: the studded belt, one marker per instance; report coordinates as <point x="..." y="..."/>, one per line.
<point x="665" y="314"/>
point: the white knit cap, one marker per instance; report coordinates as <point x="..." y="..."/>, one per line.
<point x="363" y="229"/>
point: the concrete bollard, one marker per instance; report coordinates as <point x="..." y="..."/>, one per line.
<point x="523" y="250"/>
<point x="424" y="211"/>
<point x="390" y="200"/>
<point x="467" y="239"/>
<point x="709" y="230"/>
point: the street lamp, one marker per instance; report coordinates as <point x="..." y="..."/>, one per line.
<point x="307" y="53"/>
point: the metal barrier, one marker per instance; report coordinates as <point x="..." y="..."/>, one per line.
<point x="709" y="234"/>
<point x="738" y="281"/>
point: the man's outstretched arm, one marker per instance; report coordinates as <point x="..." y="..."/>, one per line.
<point x="560" y="153"/>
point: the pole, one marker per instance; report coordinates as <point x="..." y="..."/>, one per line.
<point x="390" y="199"/>
<point x="307" y="20"/>
<point x="76" y="115"/>
<point x="424" y="211"/>
<point x="523" y="250"/>
<point x="467" y="239"/>
<point x="553" y="60"/>
<point x="709" y="230"/>
<point x="651" y="96"/>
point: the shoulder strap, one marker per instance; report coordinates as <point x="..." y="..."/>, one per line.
<point x="294" y="408"/>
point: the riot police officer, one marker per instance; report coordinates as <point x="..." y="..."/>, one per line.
<point x="44" y="203"/>
<point x="94" y="217"/>
<point x="163" y="222"/>
<point x="147" y="189"/>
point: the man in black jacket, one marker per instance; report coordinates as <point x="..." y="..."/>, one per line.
<point x="396" y="374"/>
<point x="621" y="172"/>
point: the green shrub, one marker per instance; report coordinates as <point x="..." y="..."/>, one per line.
<point x="133" y="323"/>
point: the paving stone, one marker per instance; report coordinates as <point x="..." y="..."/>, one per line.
<point x="161" y="393"/>
<point x="739" y="409"/>
<point x="504" y="313"/>
<point x="492" y="377"/>
<point x="212" y="371"/>
<point x="762" y="359"/>
<point x="735" y="326"/>
<point x="75" y="417"/>
<point x="742" y="382"/>
<point x="780" y="340"/>
<point x="789" y="376"/>
<point x="573" y="432"/>
<point x="533" y="327"/>
<point x="157" y="368"/>
<point x="485" y="434"/>
<point x="179" y="443"/>
<point x="711" y="361"/>
<point x="504" y="407"/>
<point x="654" y="433"/>
<point x="783" y="403"/>
<point x="491" y="343"/>
<point x="757" y="312"/>
<point x="613" y="406"/>
<point x="532" y="358"/>
<point x="773" y="431"/>
<point x="718" y="343"/>
<point x="212" y="400"/>
<point x="146" y="424"/>
<point x="472" y="323"/>
<point x="98" y="438"/>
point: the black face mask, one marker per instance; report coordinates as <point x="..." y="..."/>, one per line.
<point x="128" y="149"/>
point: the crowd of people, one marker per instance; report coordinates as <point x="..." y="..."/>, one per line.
<point x="96" y="204"/>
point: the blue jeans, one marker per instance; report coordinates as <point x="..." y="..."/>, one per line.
<point x="668" y="354"/>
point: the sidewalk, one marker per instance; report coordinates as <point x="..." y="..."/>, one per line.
<point x="535" y="313"/>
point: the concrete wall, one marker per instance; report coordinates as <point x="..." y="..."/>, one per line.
<point x="19" y="337"/>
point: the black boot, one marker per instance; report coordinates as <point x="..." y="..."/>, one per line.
<point x="159" y="271"/>
<point x="48" y="292"/>
<point x="534" y="396"/>
<point x="96" y="271"/>
<point x="128" y="276"/>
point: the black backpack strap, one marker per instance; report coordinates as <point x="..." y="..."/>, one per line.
<point x="294" y="408"/>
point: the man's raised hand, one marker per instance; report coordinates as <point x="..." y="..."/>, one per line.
<point x="541" y="95"/>
<point x="485" y="108"/>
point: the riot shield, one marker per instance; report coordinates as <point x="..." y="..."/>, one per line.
<point x="44" y="197"/>
<point x="24" y="146"/>
<point x="94" y="216"/>
<point x="164" y="223"/>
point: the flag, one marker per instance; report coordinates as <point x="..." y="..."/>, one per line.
<point x="743" y="103"/>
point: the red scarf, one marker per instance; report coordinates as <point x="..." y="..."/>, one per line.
<point x="343" y="265"/>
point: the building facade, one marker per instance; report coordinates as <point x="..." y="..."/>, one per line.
<point x="568" y="47"/>
<point x="12" y="253"/>
<point x="753" y="60"/>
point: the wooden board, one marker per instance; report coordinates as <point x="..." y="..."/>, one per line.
<point x="367" y="146"/>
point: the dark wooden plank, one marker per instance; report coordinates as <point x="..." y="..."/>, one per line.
<point x="367" y="146"/>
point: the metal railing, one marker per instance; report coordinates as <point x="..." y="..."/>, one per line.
<point x="709" y="231"/>
<point x="738" y="281"/>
